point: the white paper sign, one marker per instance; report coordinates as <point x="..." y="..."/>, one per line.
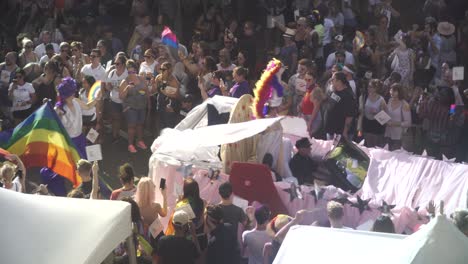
<point x="156" y="228"/>
<point x="301" y="85"/>
<point x="188" y="209"/>
<point x="94" y="152"/>
<point x="5" y="76"/>
<point x="296" y="14"/>
<point x="240" y="202"/>
<point x="92" y="135"/>
<point x="382" y="117"/>
<point x="458" y="73"/>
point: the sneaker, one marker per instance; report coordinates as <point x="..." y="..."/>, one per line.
<point x="141" y="144"/>
<point x="132" y="149"/>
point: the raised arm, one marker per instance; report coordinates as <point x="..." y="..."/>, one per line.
<point x="95" y="190"/>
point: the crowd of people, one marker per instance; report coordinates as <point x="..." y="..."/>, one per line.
<point x="357" y="69"/>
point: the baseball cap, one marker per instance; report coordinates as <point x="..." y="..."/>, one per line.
<point x="180" y="218"/>
<point x="339" y="38"/>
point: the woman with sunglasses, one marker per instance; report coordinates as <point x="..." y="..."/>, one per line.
<point x="23" y="95"/>
<point x="27" y="55"/>
<point x="149" y="65"/>
<point x="134" y="95"/>
<point x="168" y="89"/>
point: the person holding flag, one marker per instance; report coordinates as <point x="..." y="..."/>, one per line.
<point x="69" y="110"/>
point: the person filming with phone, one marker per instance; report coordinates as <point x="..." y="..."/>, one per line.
<point x="23" y="96"/>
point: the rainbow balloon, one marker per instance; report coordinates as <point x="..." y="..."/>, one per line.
<point x="94" y="91"/>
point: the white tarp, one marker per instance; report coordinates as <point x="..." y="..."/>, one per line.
<point x="198" y="116"/>
<point x="308" y="244"/>
<point x="192" y="144"/>
<point x="56" y="230"/>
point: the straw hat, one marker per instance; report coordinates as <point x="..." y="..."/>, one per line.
<point x="445" y="28"/>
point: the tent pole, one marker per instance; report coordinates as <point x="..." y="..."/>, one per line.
<point x="131" y="250"/>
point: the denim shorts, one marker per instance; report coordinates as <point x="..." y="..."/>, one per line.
<point x="135" y="116"/>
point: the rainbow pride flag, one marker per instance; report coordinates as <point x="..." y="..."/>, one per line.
<point x="94" y="91"/>
<point x="169" y="38"/>
<point x="42" y="141"/>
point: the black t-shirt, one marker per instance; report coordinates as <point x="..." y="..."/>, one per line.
<point x="233" y="215"/>
<point x="302" y="168"/>
<point x="176" y="250"/>
<point x="223" y="246"/>
<point x="339" y="106"/>
<point x="86" y="188"/>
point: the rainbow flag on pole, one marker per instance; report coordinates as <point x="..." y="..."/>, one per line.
<point x="42" y="141"/>
<point x="169" y="38"/>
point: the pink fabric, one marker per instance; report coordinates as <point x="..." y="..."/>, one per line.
<point x="398" y="178"/>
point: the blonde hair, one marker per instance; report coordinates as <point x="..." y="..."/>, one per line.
<point x="6" y="169"/>
<point x="145" y="194"/>
<point x="335" y="210"/>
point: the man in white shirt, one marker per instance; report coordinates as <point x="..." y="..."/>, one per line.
<point x="225" y="61"/>
<point x="49" y="54"/>
<point x="95" y="68"/>
<point x="339" y="46"/>
<point x="40" y="50"/>
<point x="254" y="240"/>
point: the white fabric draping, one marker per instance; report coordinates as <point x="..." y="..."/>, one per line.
<point x="412" y="181"/>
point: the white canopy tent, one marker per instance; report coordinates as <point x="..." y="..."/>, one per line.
<point x="437" y="242"/>
<point x="308" y="244"/>
<point x="56" y="230"/>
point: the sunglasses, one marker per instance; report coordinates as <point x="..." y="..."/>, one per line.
<point x="163" y="69"/>
<point x="147" y="56"/>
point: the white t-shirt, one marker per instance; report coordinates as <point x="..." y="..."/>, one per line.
<point x="349" y="59"/>
<point x="327" y="35"/>
<point x="22" y="94"/>
<point x="229" y="68"/>
<point x="114" y="79"/>
<point x="99" y="73"/>
<point x="44" y="59"/>
<point x="73" y="122"/>
<point x="87" y="112"/>
<point x="145" y="68"/>
<point x="16" y="185"/>
<point x="41" y="51"/>
<point x="254" y="241"/>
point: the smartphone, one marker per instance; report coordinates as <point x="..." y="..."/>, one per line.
<point x="162" y="183"/>
<point x="452" y="109"/>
